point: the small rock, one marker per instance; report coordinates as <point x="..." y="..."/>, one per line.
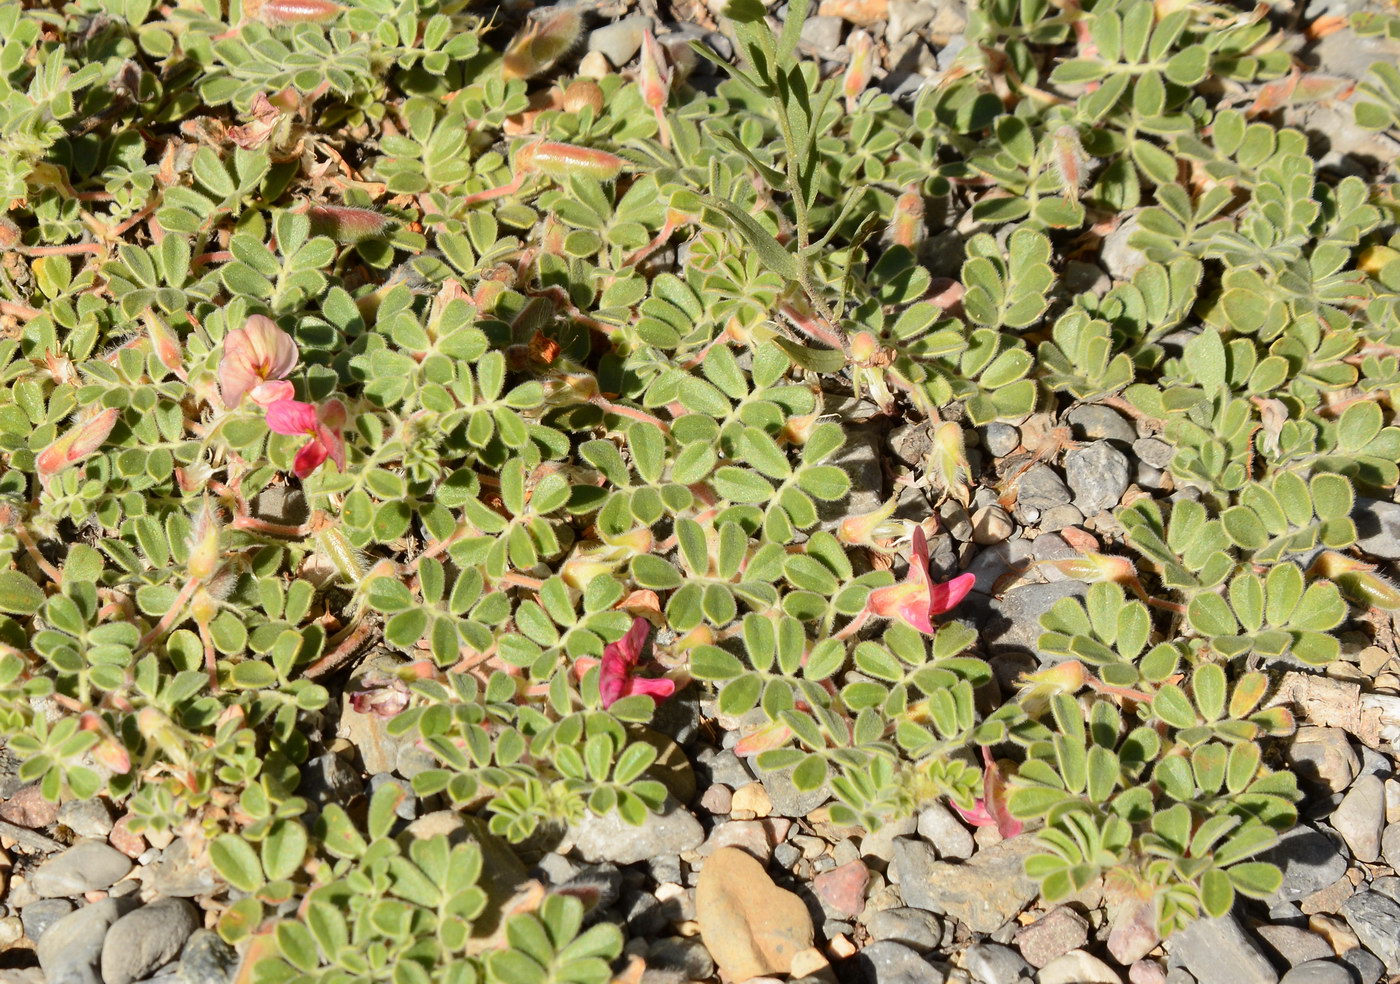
<point x="84" y="867"/>
<point x="787" y="800"/>
<point x="1318" y="972"/>
<point x="1080" y="277"/>
<point x="999" y="559"/>
<point x="1328" y="899"/>
<point x="86" y="818"/>
<point x="1041" y="488"/>
<point x="1360" y="817"/>
<point x="141" y="941"/>
<point x="1390" y="846"/>
<point x="888" y="962"/>
<point x="991" y="524"/>
<point x="1052" y="935"/>
<point x="179" y="874"/>
<point x="750" y="835"/>
<point x="1099" y="475"/>
<point x="1117" y="257"/>
<point x="71" y="946"/>
<point x="983" y="893"/>
<point x="948" y="835"/>
<point x="281" y="504"/>
<point x="751" y="801"/>
<point x="842" y="889"/>
<point x="1323" y="758"/>
<point x="207" y="959"/>
<point x="1059" y="517"/>
<point x="1151" y="451"/>
<point x="722" y="765"/>
<point x="610" y="838"/>
<point x="126" y="840"/>
<point x="38" y="916"/>
<point x="999" y="439"/>
<point x="1092" y="422"/>
<point x="718" y="799"/>
<point x="750" y="926"/>
<point x="1078" y="967"/>
<point x="1148" y="972"/>
<point x="992" y="963"/>
<point x="1376" y="921"/>
<point x="822" y="33"/>
<point x="407" y="807"/>
<point x="11" y="932"/>
<point x="1366" y="968"/>
<point x="1013" y="620"/>
<point x="688" y="956"/>
<point x="1377" y="527"/>
<point x="28" y="808"/>
<point x="1309" y="860"/>
<point x="620" y="41"/>
<point x="903" y="924"/>
<point x="1218" y="951"/>
<point x="1294" y="944"/>
<point x="862" y="13"/>
<point x="329" y="778"/>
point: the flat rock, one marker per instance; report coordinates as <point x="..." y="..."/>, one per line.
<point x="949" y="837"/>
<point x="1013" y="620"/>
<point x="86" y="866"/>
<point x="86" y="818"/>
<point x="888" y="962"/>
<point x="1309" y="860"/>
<point x="750" y="926"/>
<point x="1041" y="488"/>
<point x="1078" y="967"/>
<point x="992" y="963"/>
<point x="1323" y="759"/>
<point x="983" y="893"/>
<point x="1318" y="972"/>
<point x="907" y="925"/>
<point x="141" y="941"/>
<point x="789" y="801"/>
<point x="28" y="808"/>
<point x="207" y="959"/>
<point x="1375" y="919"/>
<point x="1093" y="422"/>
<point x="619" y="41"/>
<point x="1295" y="944"/>
<point x="610" y="838"/>
<point x="1052" y="935"/>
<point x="1377" y="527"/>
<point x="1099" y="474"/>
<point x="69" y="951"/>
<point x="1360" y="817"/>
<point x="842" y="889"/>
<point x="1218" y="951"/>
<point x="38" y="916"/>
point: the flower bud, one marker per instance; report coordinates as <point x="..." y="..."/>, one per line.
<point x="655" y="79"/>
<point x="205" y="551"/>
<point x="347" y="225"/>
<point x="166" y="345"/>
<point x="797" y="429"/>
<point x="541" y="43"/>
<point x="867" y="528"/>
<point x="584" y="566"/>
<point x="907" y="223"/>
<point x="203" y="607"/>
<point x="560" y="160"/>
<point x="633" y="543"/>
<point x="860" y="68"/>
<point x="583" y="94"/>
<point x="80" y="441"/>
<point x="281" y="12"/>
<point x="864" y="346"/>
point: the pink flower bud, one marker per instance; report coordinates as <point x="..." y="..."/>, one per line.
<point x="278" y="13"/>
<point x="541" y="43"/>
<point x="166" y="345"/>
<point x="559" y="160"/>
<point x="205" y="551"/>
<point x="860" y="68"/>
<point x="348" y="225"/>
<point x="655" y="79"/>
<point x="80" y="441"/>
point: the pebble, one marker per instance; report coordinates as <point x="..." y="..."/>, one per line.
<point x="907" y="925"/>
<point x="822" y="32"/>
<point x="141" y="941"/>
<point x="1361" y="816"/>
<point x="1013" y="620"/>
<point x="1052" y="935"/>
<point x="945" y="832"/>
<point x="1366" y="967"/>
<point x="888" y="962"/>
<point x="787" y="800"/>
<point x="407" y="808"/>
<point x="750" y="926"/>
<point x="992" y="963"/>
<point x="1390" y="846"/>
<point x="991" y="524"/>
<point x="610" y="838"/>
<point x="1323" y="758"/>
<point x="1377" y="527"/>
<point x="1092" y="422"/>
<point x="842" y="889"/>
<point x="1218" y="951"/>
<point x="1000" y="439"/>
<point x="1318" y="972"/>
<point x="1309" y="860"/>
<point x="751" y="801"/>
<point x="1376" y="921"/>
<point x="1294" y="944"/>
<point x="1098" y="474"/>
<point x="1059" y="517"/>
<point x="620" y="41"/>
<point x="179" y="874"/>
<point x="207" y="959"/>
<point x="86" y="818"/>
<point x="28" y="808"/>
<point x="38" y="916"/>
<point x="126" y="840"/>
<point x="983" y="893"/>
<point x="749" y="835"/>
<point x="717" y="798"/>
<point x="862" y="13"/>
<point x="1078" y="967"/>
<point x="722" y="766"/>
<point x="86" y="866"/>
<point x="688" y="956"/>
<point x="69" y="951"/>
<point x="1041" y="488"/>
<point x="1080" y="277"/>
<point x="1153" y="452"/>
<point x="1117" y="257"/>
<point x="999" y="559"/>
<point x="1147" y="972"/>
<point x="880" y="844"/>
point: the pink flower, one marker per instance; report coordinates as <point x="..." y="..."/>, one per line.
<point x="919" y="599"/>
<point x="616" y="677"/>
<point x="990" y="809"/>
<point x="322" y="424"/>
<point x="255" y="354"/>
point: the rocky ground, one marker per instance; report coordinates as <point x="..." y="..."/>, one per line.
<point x="744" y="877"/>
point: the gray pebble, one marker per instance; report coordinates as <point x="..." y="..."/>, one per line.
<point x="329" y="779"/>
<point x="1375" y="920"/>
<point x="207" y="959"/>
<point x="1318" y="972"/>
<point x="722" y="765"/>
<point x="610" y="838"/>
<point x="991" y="963"/>
<point x="1366" y="967"/>
<point x="86" y="866"/>
<point x="1041" y="488"/>
<point x="1294" y="944"/>
<point x="1000" y="439"/>
<point x="786" y="855"/>
<point x="787" y="800"/>
<point x="38" y="916"/>
<point x="69" y="951"/>
<point x="86" y="818"/>
<point x="147" y="938"/>
<point x="1309" y="860"/>
<point x="1219" y="951"/>
<point x="822" y="33"/>
<point x="912" y="927"/>
<point x="1117" y="257"/>
<point x="620" y="41"/>
<point x="1153" y="452"/>
<point x="1360" y="817"/>
<point x="1059" y="517"/>
<point x="945" y="832"/>
<point x="686" y="955"/>
<point x="880" y="844"/>
<point x="888" y="962"/>
<point x="1098" y="474"/>
<point x="1377" y="527"/>
<point x="1013" y="620"/>
<point x="1092" y="422"/>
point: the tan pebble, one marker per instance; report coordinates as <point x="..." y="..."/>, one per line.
<point x="990" y="524"/>
<point x="1336" y="932"/>
<point x="1372" y="659"/>
<point x="1078" y="967"/>
<point x="594" y="65"/>
<point x="1392" y="801"/>
<point x="750" y="926"/>
<point x="751" y="799"/>
<point x="1328" y="899"/>
<point x="667" y="891"/>
<point x="862" y="13"/>
<point x="688" y="928"/>
<point x="841" y="947"/>
<point x="809" y="961"/>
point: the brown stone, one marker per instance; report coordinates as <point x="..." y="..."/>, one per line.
<point x="1052" y="935"/>
<point x="750" y="926"/>
<point x="862" y="13"/>
<point x="843" y="888"/>
<point x="28" y="808"/>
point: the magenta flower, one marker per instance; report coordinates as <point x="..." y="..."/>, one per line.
<point x="918" y="599"/>
<point x="990" y="809"/>
<point x="616" y="678"/>
<point x="321" y="424"/>
<point x="257" y="359"/>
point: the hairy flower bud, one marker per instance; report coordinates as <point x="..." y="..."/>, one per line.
<point x="281" y="12"/>
<point x="583" y="94"/>
<point x="205" y="551"/>
<point x="860" y="68"/>
<point x="541" y="43"/>
<point x="560" y="160"/>
<point x="346" y="224"/>
<point x="867" y="528"/>
<point x="79" y="442"/>
<point x="655" y="77"/>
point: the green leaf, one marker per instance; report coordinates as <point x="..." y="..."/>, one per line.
<point x="234" y="860"/>
<point x="18" y="594"/>
<point x="771" y="253"/>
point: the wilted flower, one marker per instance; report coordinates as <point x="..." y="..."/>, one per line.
<point x="616" y="677"/>
<point x="990" y="809"/>
<point x="322" y="424"/>
<point x="257" y="359"/>
<point x="919" y="599"/>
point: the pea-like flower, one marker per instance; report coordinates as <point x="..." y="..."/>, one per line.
<point x="617" y="676"/>
<point x="990" y="809"/>
<point x="321" y="424"/>
<point x="257" y="360"/>
<point x="918" y="599"/>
